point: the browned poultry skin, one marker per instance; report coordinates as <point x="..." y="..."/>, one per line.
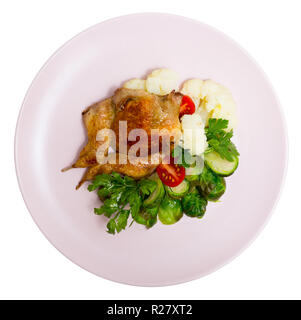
<point x="98" y="116"/>
<point x="141" y="110"/>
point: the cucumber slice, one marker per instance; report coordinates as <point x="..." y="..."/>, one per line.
<point x="219" y="165"/>
<point x="178" y="191"/>
<point x="157" y="195"/>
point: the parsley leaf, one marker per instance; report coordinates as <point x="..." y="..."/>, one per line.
<point x="147" y="186"/>
<point x="117" y="192"/>
<point x="119" y="222"/>
<point x="103" y="180"/>
<point x="219" y="140"/>
<point x="108" y="208"/>
<point x="217" y="125"/>
<point x="135" y="202"/>
<point x="111" y="226"/>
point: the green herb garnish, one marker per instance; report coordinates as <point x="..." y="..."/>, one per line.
<point x="117" y="192"/>
<point x="219" y="139"/>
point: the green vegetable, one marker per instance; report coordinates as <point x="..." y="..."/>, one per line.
<point x="119" y="223"/>
<point x="182" y="156"/>
<point x="193" y="172"/>
<point x="170" y="210"/>
<point x="147" y="216"/>
<point x="193" y="164"/>
<point x="219" y="165"/>
<point x="192" y="177"/>
<point x="193" y="187"/>
<point x="117" y="192"/>
<point x="146" y="200"/>
<point x="194" y="205"/>
<point x="178" y="191"/>
<point x="211" y="185"/>
<point x="219" y="140"/>
<point x="157" y="194"/>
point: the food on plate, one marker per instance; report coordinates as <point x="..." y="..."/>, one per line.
<point x="178" y="191"/>
<point x="140" y="110"/>
<point x="162" y="81"/>
<point x="170" y="210"/>
<point x="194" y="137"/>
<point x="212" y="99"/>
<point x="138" y="84"/>
<point x="171" y="174"/>
<point x="147" y="111"/>
<point x="194" y="205"/>
<point x="187" y="106"/>
<point x="156" y="153"/>
<point x="212" y="186"/>
<point x="219" y="165"/>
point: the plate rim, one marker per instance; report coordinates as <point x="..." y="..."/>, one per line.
<point x="184" y="279"/>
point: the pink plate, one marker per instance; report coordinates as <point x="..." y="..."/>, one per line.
<point x="50" y="133"/>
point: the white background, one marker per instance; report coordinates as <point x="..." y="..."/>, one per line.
<point x="30" y="31"/>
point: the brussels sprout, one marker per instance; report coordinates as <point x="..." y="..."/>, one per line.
<point x="154" y="199"/>
<point x="194" y="187"/>
<point x="147" y="217"/>
<point x="212" y="186"/>
<point x="170" y="210"/>
<point x="194" y="205"/>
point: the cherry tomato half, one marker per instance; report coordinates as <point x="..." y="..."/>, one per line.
<point x="171" y="174"/>
<point x="187" y="106"/>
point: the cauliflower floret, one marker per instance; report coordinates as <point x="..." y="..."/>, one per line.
<point x="193" y="136"/>
<point x="213" y="100"/>
<point x="162" y="81"/>
<point x="135" y="84"/>
<point x="192" y="88"/>
<point x="215" y="94"/>
<point x="222" y="113"/>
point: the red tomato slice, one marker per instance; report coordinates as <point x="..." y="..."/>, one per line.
<point x="171" y="174"/>
<point x="187" y="106"/>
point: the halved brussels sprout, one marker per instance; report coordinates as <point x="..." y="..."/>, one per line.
<point x="212" y="186"/>
<point x="194" y="205"/>
<point x="170" y="210"/>
<point x="147" y="216"/>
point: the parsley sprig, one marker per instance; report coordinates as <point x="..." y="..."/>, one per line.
<point x="117" y="192"/>
<point x="219" y="140"/>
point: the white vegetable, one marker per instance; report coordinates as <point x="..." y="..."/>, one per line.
<point x="194" y="137"/>
<point x="162" y="81"/>
<point x="215" y="100"/>
<point x="135" y="84"/>
<point x="222" y="113"/>
<point x="192" y="88"/>
<point x="216" y="94"/>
